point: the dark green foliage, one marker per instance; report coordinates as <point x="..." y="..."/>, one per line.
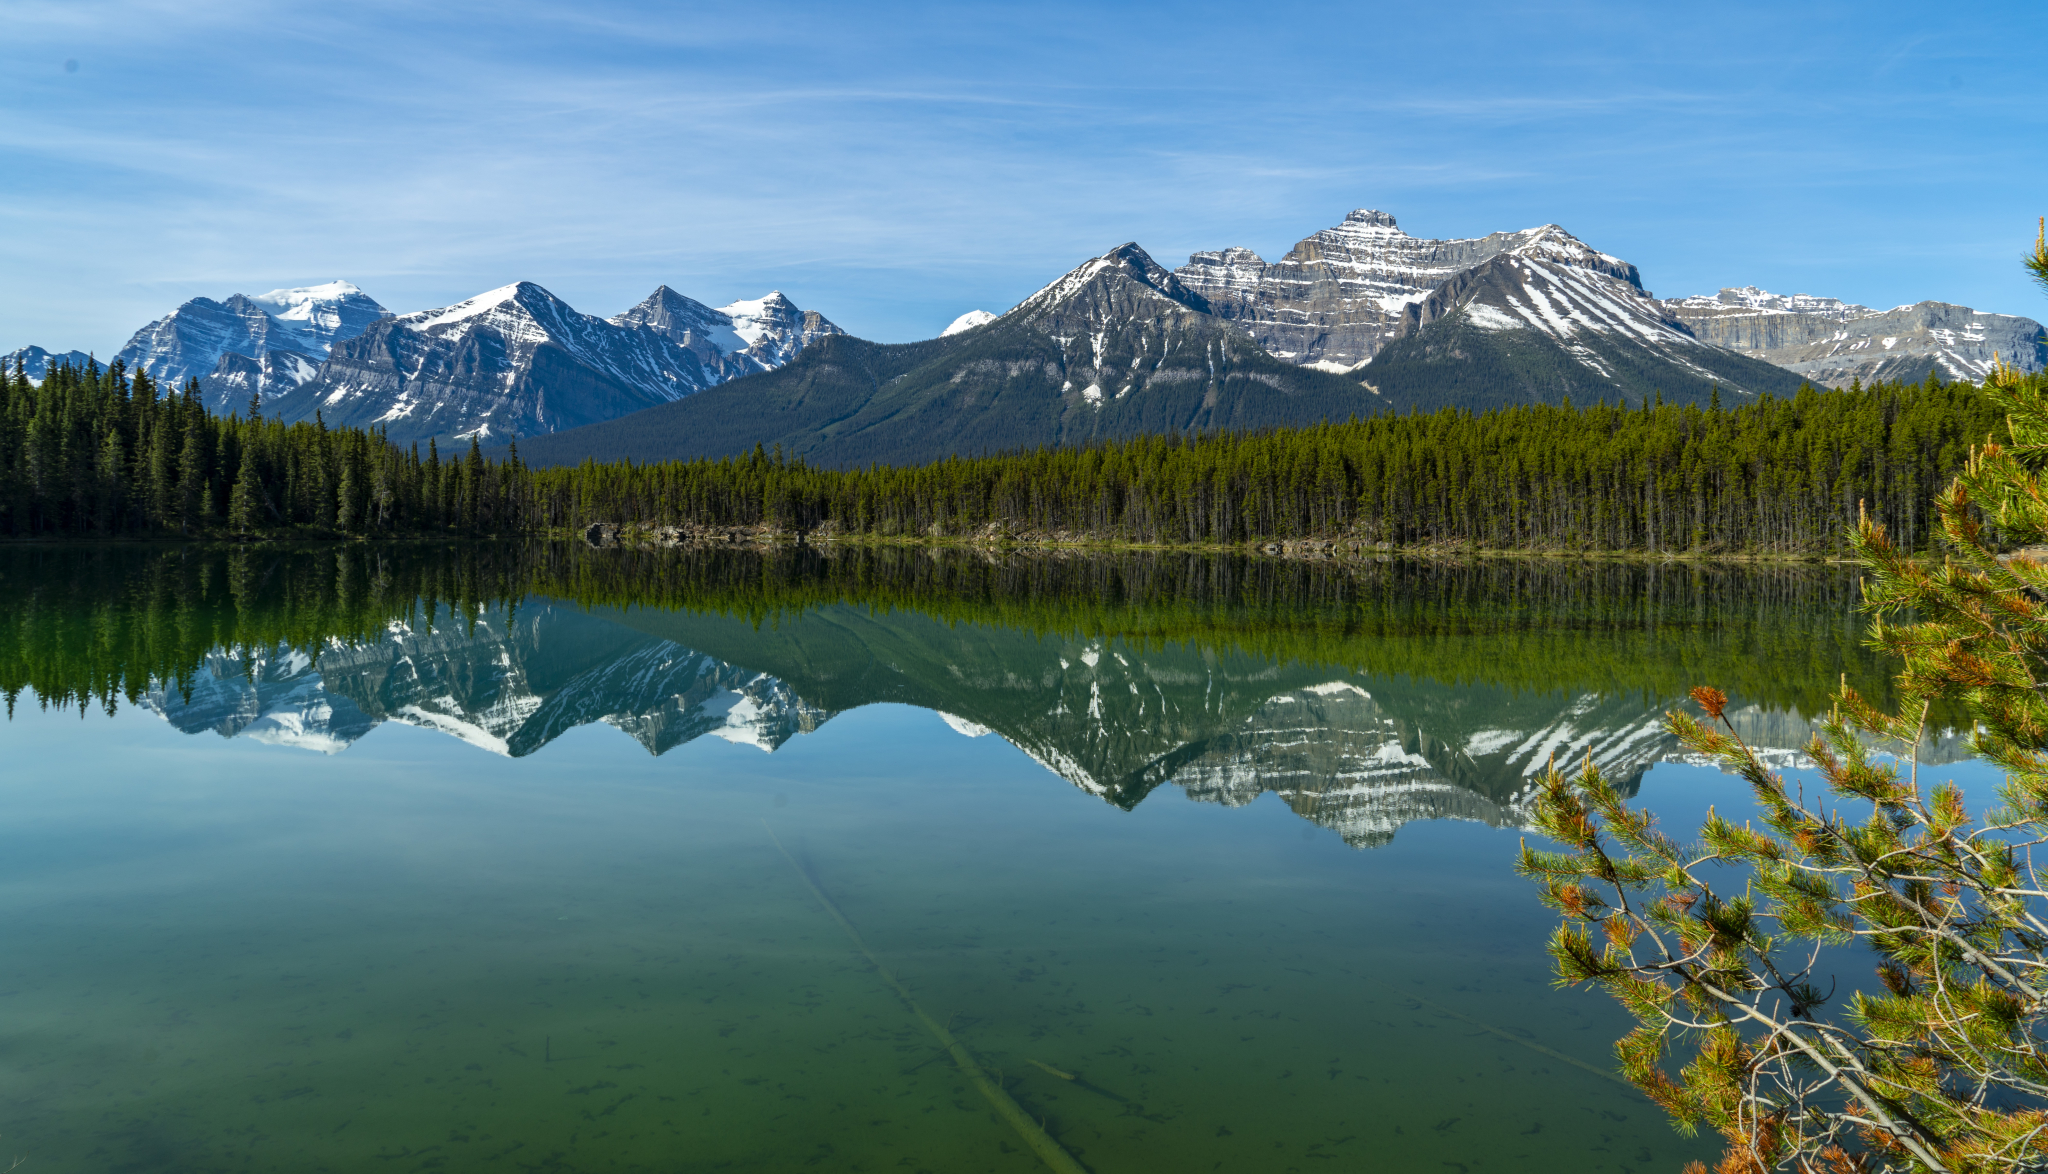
<point x="92" y="623"/>
<point x="93" y="453"/>
<point x="1003" y="387"/>
<point x="1724" y="949"/>
<point x="1777" y="475"/>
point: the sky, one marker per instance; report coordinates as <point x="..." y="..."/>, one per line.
<point x="893" y="165"/>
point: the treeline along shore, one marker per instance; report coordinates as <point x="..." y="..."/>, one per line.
<point x="98" y="453"/>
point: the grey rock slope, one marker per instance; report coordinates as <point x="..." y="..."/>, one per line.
<point x="193" y="340"/>
<point x="1342" y="293"/>
<point x="517" y="362"/>
<point x="1833" y="342"/>
<point x="744" y="338"/>
<point x="1512" y="317"/>
<point x="1522" y="328"/>
<point x="36" y="362"/>
<point x="237" y="378"/>
<point x="1116" y="347"/>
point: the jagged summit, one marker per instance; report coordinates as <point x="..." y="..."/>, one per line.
<point x="773" y="329"/>
<point x="1368" y="218"/>
<point x="1342" y="293"/>
<point x="192" y="340"/>
<point x="322" y="314"/>
<point x="517" y="361"/>
<point x="688" y="321"/>
<point x="1749" y="297"/>
<point x="1120" y="285"/>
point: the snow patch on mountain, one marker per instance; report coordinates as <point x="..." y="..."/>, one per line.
<point x="1833" y="342"/>
<point x="967" y="321"/>
<point x="463" y="311"/>
<point x="518" y="361"/>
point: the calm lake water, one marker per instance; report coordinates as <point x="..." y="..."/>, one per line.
<point x="457" y="859"/>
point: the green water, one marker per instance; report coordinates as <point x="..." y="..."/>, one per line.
<point x="502" y="894"/>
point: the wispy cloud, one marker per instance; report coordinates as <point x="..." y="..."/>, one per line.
<point x="895" y="164"/>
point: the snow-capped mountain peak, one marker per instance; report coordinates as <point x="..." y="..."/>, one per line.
<point x="1125" y="282"/>
<point x="754" y="319"/>
<point x="35" y="362"/>
<point x="688" y="321"/>
<point x="212" y="340"/>
<point x="966" y="322"/>
<point x="1763" y="301"/>
<point x="462" y="311"/>
<point x="518" y="361"/>
<point x="321" y="314"/>
<point x="774" y="330"/>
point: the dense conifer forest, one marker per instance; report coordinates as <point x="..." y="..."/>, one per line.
<point x="97" y="453"/>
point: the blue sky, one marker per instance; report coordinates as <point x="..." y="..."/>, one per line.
<point x="893" y="165"/>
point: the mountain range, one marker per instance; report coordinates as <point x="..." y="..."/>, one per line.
<point x="1357" y="753"/>
<point x="518" y="362"/>
<point x="1834" y="343"/>
<point x="1355" y="319"/>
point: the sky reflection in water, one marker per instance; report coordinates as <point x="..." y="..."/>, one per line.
<point x="346" y="935"/>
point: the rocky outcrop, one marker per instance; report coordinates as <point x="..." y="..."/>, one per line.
<point x="1342" y="293"/>
<point x="191" y="341"/>
<point x="513" y="362"/>
<point x="236" y="378"/>
<point x="518" y="362"/>
<point x="1832" y="342"/>
<point x="758" y="334"/>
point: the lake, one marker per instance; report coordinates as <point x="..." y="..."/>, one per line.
<point x="471" y="858"/>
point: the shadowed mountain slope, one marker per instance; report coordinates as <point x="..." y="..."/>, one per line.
<point x="1115" y="348"/>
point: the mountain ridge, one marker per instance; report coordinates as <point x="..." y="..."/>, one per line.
<point x="1114" y="347"/>
<point x="1834" y="343"/>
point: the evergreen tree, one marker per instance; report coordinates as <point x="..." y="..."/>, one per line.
<point x="242" y="517"/>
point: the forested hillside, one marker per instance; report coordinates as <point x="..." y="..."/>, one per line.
<point x="94" y="453"/>
<point x="1777" y="475"/>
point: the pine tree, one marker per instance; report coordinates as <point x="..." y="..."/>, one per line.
<point x="242" y="507"/>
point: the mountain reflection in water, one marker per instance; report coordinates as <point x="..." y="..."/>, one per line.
<point x="1363" y="697"/>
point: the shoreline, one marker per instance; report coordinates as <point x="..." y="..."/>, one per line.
<point x="606" y="536"/>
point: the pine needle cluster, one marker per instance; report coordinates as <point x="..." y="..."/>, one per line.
<point x="1723" y="950"/>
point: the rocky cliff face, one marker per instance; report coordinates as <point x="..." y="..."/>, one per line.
<point x="1832" y="342"/>
<point x="237" y="378"/>
<point x="1341" y="294"/>
<point x="745" y="337"/>
<point x="517" y="362"/>
<point x="191" y="341"/>
<point x="1513" y="317"/>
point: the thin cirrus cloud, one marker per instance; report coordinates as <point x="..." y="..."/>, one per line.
<point x="897" y="164"/>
